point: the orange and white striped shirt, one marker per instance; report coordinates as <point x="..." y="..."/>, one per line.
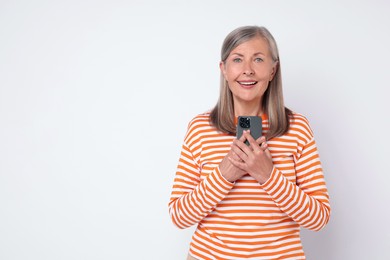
<point x="244" y="219"/>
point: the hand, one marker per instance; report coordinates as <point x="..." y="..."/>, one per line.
<point x="254" y="159"/>
<point x="228" y="170"/>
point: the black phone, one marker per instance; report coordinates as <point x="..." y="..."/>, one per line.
<point x="252" y="123"/>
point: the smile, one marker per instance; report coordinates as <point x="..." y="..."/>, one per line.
<point x="247" y="83"/>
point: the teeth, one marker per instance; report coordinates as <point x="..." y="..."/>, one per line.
<point x="248" y="83"/>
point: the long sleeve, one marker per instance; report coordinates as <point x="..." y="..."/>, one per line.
<point x="307" y="201"/>
<point x="195" y="195"/>
<point x="247" y="220"/>
<point x="192" y="199"/>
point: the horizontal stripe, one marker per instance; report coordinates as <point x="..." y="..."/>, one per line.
<point x="245" y="219"/>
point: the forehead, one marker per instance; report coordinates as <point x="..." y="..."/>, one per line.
<point x="252" y="46"/>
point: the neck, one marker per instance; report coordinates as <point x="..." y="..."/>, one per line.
<point x="247" y="109"/>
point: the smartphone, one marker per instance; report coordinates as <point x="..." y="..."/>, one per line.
<point x="252" y="123"/>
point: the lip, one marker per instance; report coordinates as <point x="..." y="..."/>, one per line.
<point x="247" y="84"/>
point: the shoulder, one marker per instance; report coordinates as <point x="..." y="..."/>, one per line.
<point x="198" y="126"/>
<point x="200" y="120"/>
<point x="299" y="124"/>
<point x="298" y="118"/>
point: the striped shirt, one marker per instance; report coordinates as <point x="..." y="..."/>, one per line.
<point x="245" y="219"/>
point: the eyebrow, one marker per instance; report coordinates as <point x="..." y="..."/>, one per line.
<point x="255" y="54"/>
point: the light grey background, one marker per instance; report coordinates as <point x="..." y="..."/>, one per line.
<point x="95" y="97"/>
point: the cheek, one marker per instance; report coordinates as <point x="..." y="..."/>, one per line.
<point x="232" y="73"/>
<point x="263" y="72"/>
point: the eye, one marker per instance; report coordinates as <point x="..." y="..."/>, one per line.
<point x="237" y="60"/>
<point x="258" y="60"/>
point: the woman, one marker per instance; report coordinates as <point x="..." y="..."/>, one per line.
<point x="249" y="201"/>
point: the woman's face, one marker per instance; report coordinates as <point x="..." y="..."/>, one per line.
<point x="248" y="70"/>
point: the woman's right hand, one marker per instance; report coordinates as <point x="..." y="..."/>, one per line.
<point x="228" y="170"/>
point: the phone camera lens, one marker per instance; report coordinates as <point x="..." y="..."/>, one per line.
<point x="245" y="122"/>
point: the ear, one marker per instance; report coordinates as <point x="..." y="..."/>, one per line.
<point x="274" y="70"/>
<point x="222" y="68"/>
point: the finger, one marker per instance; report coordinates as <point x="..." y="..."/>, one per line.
<point x="234" y="156"/>
<point x="236" y="141"/>
<point x="252" y="142"/>
<point x="242" y="137"/>
<point x="267" y="153"/>
<point x="260" y="140"/>
<point x="264" y="146"/>
<point x="242" y="146"/>
<point x="238" y="164"/>
<point x="240" y="149"/>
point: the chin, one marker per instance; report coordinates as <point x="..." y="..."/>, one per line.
<point x="247" y="98"/>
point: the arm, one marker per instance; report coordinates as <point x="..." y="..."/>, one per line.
<point x="193" y="198"/>
<point x="306" y="202"/>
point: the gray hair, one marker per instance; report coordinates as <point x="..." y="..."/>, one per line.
<point x="222" y="116"/>
<point x="244" y="34"/>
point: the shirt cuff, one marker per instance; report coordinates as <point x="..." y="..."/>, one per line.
<point x="227" y="184"/>
<point x="272" y="180"/>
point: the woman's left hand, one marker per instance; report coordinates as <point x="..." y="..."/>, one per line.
<point x="255" y="159"/>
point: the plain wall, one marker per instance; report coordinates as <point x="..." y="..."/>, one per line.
<point x="95" y="98"/>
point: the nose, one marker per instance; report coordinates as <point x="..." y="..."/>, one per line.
<point x="247" y="69"/>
